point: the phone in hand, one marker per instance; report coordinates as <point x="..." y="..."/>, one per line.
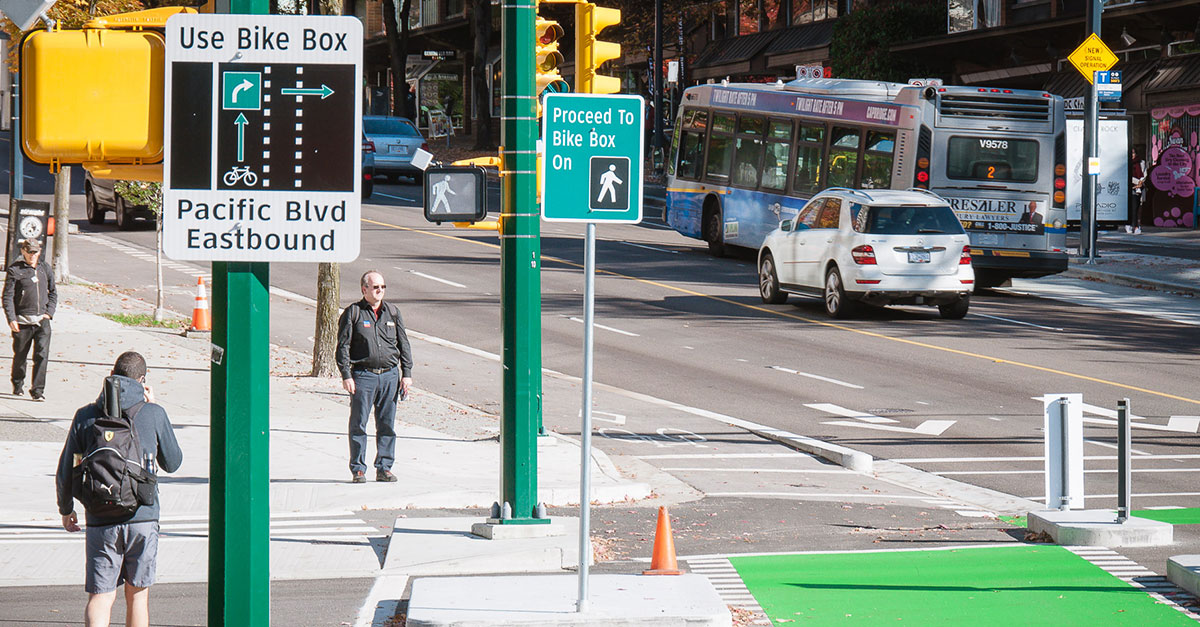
<point x="403" y="394"/>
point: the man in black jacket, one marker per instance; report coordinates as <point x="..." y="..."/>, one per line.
<point x="371" y="343"/>
<point x="125" y="549"/>
<point x="29" y="302"/>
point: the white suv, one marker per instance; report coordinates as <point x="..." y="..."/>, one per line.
<point x="881" y="247"/>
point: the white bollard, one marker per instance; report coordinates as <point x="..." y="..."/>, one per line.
<point x="1064" y="450"/>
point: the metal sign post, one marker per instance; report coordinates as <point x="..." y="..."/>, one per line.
<point x="1090" y="57"/>
<point x="594" y="156"/>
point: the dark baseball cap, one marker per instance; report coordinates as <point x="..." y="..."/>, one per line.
<point x="31" y="245"/>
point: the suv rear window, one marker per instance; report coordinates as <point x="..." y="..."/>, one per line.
<point x="905" y="220"/>
<point x="389" y="126"/>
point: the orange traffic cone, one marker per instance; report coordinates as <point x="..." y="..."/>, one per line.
<point x="663" y="560"/>
<point x="201" y="319"/>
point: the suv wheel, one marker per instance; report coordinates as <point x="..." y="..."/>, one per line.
<point x="837" y="305"/>
<point x="956" y="310"/>
<point x="768" y="281"/>
<point x="95" y="214"/>
<point x="124" y="220"/>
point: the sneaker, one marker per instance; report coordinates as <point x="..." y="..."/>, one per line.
<point x="1128" y="229"/>
<point x="1137" y="231"/>
<point x="359" y="477"/>
<point x="18" y="391"/>
<point x="385" y="475"/>
<point x="37" y="396"/>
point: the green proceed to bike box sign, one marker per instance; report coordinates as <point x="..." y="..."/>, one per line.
<point x="592" y="168"/>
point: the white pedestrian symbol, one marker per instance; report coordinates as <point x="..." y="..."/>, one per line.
<point x="606" y="184"/>
<point x="440" y="189"/>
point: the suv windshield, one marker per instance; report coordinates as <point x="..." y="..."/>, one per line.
<point x="905" y="220"/>
<point x="389" y="126"/>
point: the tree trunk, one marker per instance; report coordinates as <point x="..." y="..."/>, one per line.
<point x="397" y="39"/>
<point x="159" y="310"/>
<point x="62" y="224"/>
<point x="482" y="15"/>
<point x="325" y="337"/>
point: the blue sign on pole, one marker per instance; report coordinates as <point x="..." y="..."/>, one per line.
<point x="1108" y="86"/>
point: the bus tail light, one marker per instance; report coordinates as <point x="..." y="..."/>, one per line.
<point x="965" y="258"/>
<point x="863" y="255"/>
<point x="1060" y="171"/>
<point x="924" y="148"/>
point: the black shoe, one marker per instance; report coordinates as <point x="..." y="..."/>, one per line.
<point x="18" y="390"/>
<point x="37" y="396"/>
<point x="385" y="476"/>
<point x="359" y="477"/>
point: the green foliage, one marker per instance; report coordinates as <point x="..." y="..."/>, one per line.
<point x="861" y="43"/>
<point x="143" y="320"/>
<point x="144" y="193"/>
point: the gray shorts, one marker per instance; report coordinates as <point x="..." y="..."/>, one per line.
<point x="121" y="553"/>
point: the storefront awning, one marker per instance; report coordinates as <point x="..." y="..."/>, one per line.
<point x="731" y="56"/>
<point x="1069" y="83"/>
<point x="1174" y="74"/>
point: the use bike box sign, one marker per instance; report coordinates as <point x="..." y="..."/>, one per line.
<point x="263" y="138"/>
<point x="592" y="170"/>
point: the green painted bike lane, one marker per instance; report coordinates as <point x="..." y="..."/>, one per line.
<point x="1000" y="585"/>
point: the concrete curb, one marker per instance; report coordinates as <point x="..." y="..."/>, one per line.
<point x="1099" y="527"/>
<point x="1184" y="571"/>
<point x="840" y="455"/>
<point x="929" y="483"/>
<point x="1129" y="280"/>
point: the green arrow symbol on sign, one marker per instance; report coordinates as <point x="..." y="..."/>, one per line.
<point x="241" y="123"/>
<point x="323" y="91"/>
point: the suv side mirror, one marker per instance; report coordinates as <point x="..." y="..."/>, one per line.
<point x="786" y="225"/>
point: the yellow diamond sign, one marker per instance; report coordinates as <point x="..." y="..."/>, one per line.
<point x="1092" y="56"/>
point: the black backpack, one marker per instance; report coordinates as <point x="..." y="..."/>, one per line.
<point x="111" y="480"/>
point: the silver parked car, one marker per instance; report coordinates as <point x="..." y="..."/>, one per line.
<point x="100" y="199"/>
<point x="395" y="140"/>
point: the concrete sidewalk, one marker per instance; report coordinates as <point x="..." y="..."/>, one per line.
<point x="1155" y="269"/>
<point x="454" y="465"/>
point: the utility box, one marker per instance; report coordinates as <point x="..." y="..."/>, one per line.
<point x="92" y="95"/>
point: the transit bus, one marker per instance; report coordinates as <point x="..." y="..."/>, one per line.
<point x="745" y="156"/>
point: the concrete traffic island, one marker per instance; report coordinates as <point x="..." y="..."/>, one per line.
<point x="1184" y="571"/>
<point x="549" y="600"/>
<point x="1099" y="527"/>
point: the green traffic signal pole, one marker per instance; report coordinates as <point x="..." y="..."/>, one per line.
<point x="239" y="490"/>
<point x="520" y="261"/>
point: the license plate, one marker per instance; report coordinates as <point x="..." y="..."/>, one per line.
<point x="398" y="149"/>
<point x="918" y="256"/>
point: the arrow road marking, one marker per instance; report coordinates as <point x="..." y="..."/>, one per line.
<point x="848" y="413"/>
<point x="241" y="123"/>
<point x="929" y="427"/>
<point x="242" y="86"/>
<point x="323" y="91"/>
<point x="1181" y="424"/>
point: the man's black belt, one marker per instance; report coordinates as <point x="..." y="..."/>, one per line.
<point x="374" y="370"/>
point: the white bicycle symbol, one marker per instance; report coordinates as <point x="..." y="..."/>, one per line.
<point x="242" y="174"/>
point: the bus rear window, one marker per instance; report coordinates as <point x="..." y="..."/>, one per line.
<point x="992" y="159"/>
<point x="905" y="220"/>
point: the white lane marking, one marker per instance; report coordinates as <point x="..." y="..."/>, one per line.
<point x="661" y="250"/>
<point x="1028" y="324"/>
<point x="439" y="280"/>
<point x="1089" y="471"/>
<point x="725" y="456"/>
<point x="828" y="495"/>
<point x="828" y="471"/>
<point x="606" y="416"/>
<point x="837" y="410"/>
<point x="929" y="427"/>
<point x="378" y="608"/>
<point x="1113" y="496"/>
<point x="1104" y="411"/>
<point x="1113" y="446"/>
<point x="600" y="326"/>
<point x="1181" y="424"/>
<point x="958" y="460"/>
<point x="396" y="197"/>
<point x="817" y="377"/>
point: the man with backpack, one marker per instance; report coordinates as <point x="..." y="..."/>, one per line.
<point x="109" y="463"/>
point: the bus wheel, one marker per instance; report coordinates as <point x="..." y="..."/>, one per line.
<point x="837" y="305"/>
<point x="956" y="310"/>
<point x="768" y="281"/>
<point x="714" y="231"/>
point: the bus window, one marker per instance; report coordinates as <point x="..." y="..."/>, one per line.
<point x="830" y="214"/>
<point x="749" y="150"/>
<point x="810" y="141"/>
<point x="775" y="160"/>
<point x="674" y="150"/>
<point x="877" y="160"/>
<point x="691" y="150"/>
<point x="699" y="121"/>
<point x="991" y="159"/>
<point x="843" y="156"/>
<point x="720" y="148"/>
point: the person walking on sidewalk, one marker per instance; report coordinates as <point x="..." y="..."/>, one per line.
<point x="29" y="302"/>
<point x="1137" y="191"/>
<point x="371" y="344"/>
<point x="119" y="549"/>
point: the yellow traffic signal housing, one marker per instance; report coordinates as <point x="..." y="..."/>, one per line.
<point x="96" y="94"/>
<point x="547" y="57"/>
<point x="591" y="53"/>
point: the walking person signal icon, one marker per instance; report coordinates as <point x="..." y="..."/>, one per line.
<point x="609" y="182"/>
